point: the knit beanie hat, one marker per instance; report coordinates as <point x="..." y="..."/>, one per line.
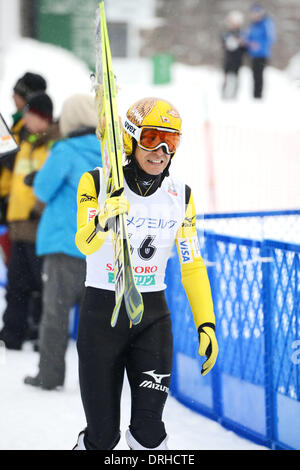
<point x="78" y="111"/>
<point x="30" y="83"/>
<point x="40" y="104"/>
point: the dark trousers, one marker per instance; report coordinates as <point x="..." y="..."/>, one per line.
<point x="23" y="291"/>
<point x="63" y="287"/>
<point x="258" y="65"/>
<point x="144" y="351"/>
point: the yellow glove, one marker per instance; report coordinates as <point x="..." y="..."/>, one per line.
<point x="116" y="204"/>
<point x="208" y="346"/>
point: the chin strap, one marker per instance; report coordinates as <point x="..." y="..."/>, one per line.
<point x="165" y="173"/>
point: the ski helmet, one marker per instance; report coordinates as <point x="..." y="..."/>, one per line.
<point x="150" y="113"/>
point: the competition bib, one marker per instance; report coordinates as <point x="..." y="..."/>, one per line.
<point x="152" y="225"/>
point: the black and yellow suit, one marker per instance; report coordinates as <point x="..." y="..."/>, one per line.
<point x="145" y="350"/>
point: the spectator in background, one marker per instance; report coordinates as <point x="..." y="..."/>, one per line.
<point x="25" y="86"/>
<point x="64" y="265"/>
<point x="233" y="50"/>
<point x="24" y="286"/>
<point x="260" y="38"/>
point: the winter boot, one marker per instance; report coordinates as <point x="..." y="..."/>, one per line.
<point x="80" y="442"/>
<point x="10" y="340"/>
<point x="135" y="445"/>
<point x="38" y="382"/>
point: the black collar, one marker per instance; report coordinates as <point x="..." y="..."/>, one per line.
<point x="141" y="182"/>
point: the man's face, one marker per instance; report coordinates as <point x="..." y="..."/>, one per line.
<point x="152" y="162"/>
<point x="35" y="123"/>
<point x="20" y="102"/>
<point x="256" y="16"/>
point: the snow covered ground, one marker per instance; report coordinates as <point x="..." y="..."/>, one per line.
<point x="255" y="148"/>
<point x="33" y="419"/>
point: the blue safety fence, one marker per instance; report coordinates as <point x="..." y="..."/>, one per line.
<point x="254" y="388"/>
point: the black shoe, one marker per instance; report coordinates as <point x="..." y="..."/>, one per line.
<point x="37" y="382"/>
<point x="10" y="341"/>
<point x="34" y="381"/>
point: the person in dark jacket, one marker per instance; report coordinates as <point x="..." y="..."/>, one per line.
<point x="233" y="51"/>
<point x="64" y="265"/>
<point x="260" y="38"/>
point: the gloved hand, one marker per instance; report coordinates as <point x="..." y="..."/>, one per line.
<point x="116" y="204"/>
<point x="29" y="179"/>
<point x="208" y="346"/>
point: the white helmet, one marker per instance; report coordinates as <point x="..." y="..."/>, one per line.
<point x="235" y="18"/>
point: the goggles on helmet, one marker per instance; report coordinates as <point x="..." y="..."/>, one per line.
<point x="151" y="138"/>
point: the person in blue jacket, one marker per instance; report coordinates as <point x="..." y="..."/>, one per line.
<point x="64" y="265"/>
<point x="260" y="38"/>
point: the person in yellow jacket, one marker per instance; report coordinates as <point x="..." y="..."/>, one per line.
<point x="160" y="210"/>
<point x="24" y="285"/>
<point x="24" y="87"/>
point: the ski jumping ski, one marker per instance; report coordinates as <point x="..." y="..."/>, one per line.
<point x="109" y="134"/>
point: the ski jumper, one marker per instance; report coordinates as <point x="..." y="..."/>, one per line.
<point x="144" y="351"/>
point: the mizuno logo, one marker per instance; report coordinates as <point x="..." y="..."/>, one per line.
<point x="157" y="377"/>
<point x="154" y="386"/>
<point x="157" y="384"/>
<point x="86" y="197"/>
<point x="189" y="221"/>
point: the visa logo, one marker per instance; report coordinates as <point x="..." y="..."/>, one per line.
<point x="185" y="250"/>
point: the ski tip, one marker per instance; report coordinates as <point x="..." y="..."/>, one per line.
<point x="136" y="317"/>
<point x="116" y="311"/>
<point x="113" y="320"/>
<point x="138" y="320"/>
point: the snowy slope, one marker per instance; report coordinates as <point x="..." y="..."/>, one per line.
<point x="248" y="149"/>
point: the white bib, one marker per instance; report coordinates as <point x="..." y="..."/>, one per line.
<point x="152" y="225"/>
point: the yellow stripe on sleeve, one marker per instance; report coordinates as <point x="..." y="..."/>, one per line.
<point x="88" y="239"/>
<point x="193" y="271"/>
